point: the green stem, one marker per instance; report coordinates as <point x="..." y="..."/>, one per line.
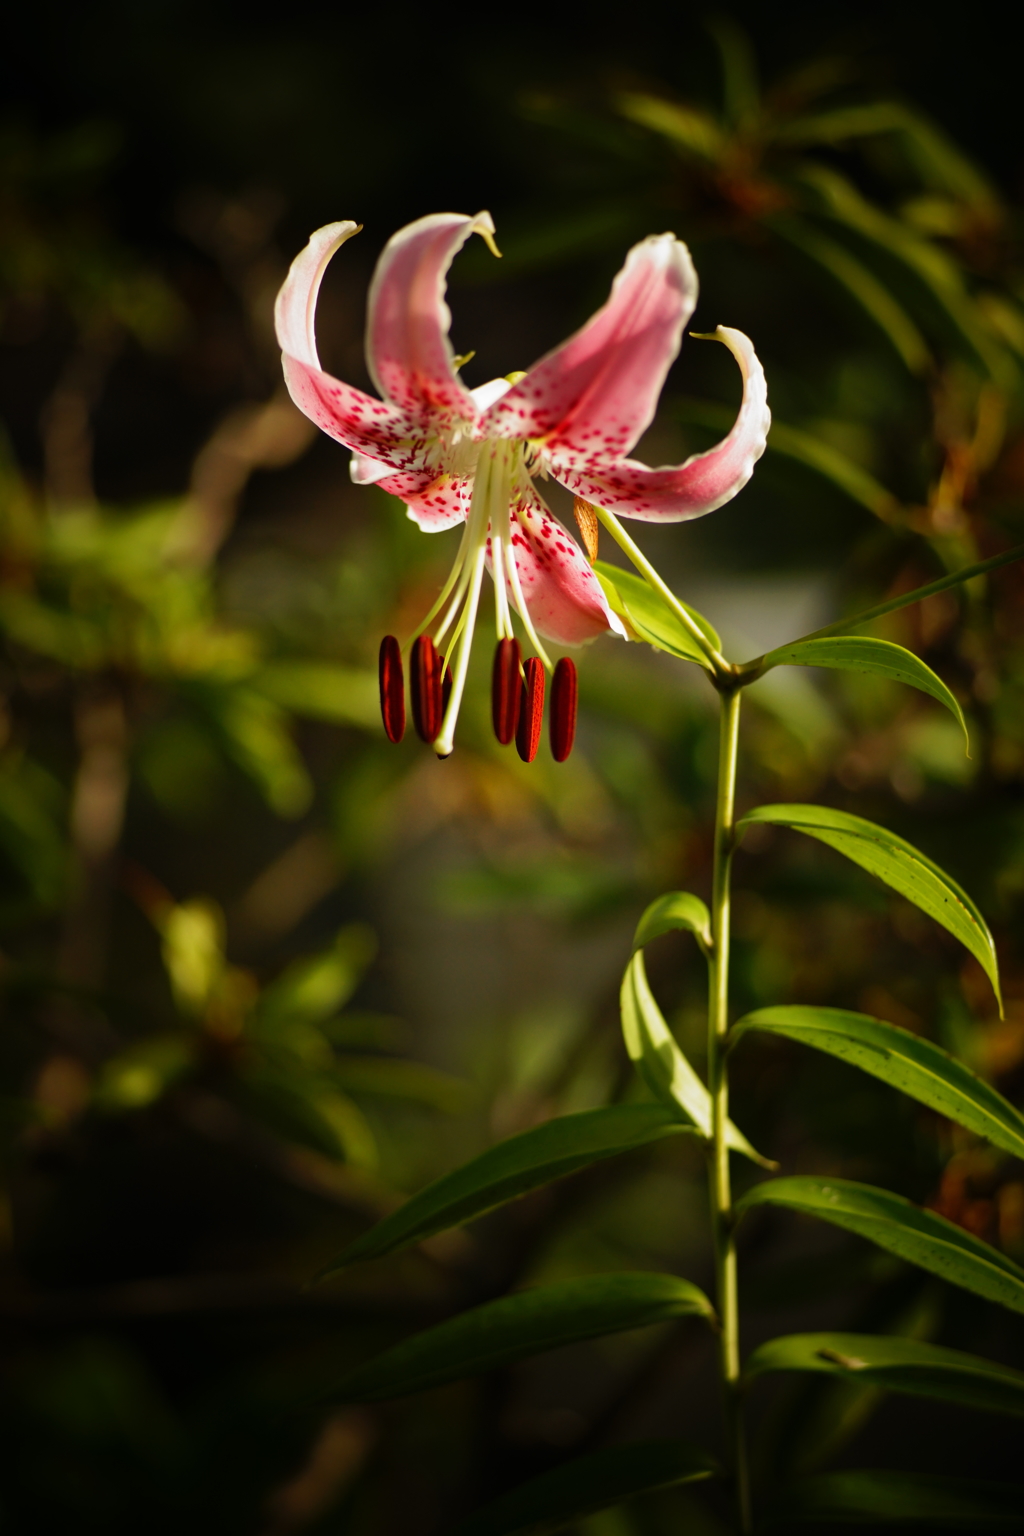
<point x="718" y="1083"/>
<point x="719" y="665"/>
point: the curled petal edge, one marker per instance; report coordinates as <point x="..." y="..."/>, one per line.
<point x="295" y="306"/>
<point x="704" y="482"/>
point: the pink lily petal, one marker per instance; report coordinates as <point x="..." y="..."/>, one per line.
<point x="366" y="425"/>
<point x="433" y="501"/>
<point x="564" y="597"/>
<point x="593" y="396"/>
<point x="704" y="482"/>
<point x="407" y="349"/>
<point x="295" y="306"/>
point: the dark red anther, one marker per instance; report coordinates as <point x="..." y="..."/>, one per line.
<point x="425" y="687"/>
<point x="392" y="688"/>
<point x="506" y="688"/>
<point x="531" y="711"/>
<point x="564" y="696"/>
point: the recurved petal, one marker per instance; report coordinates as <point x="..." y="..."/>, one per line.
<point x="408" y="353"/>
<point x="704" y="482"/>
<point x="433" y="501"/>
<point x="594" y="395"/>
<point x="563" y="595"/>
<point x="295" y="306"/>
<point x="368" y="426"/>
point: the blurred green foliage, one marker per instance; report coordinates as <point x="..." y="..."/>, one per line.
<point x="263" y="974"/>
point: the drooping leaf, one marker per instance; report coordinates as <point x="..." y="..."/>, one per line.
<point x="912" y="1498"/>
<point x="908" y="1366"/>
<point x="861" y="653"/>
<point x="793" y="443"/>
<point x="599" y="1480"/>
<point x="515" y="1327"/>
<point x="899" y="864"/>
<point x="512" y="1168"/>
<point x="920" y="1237"/>
<point x="867" y="292"/>
<point x="675" y="910"/>
<point x="651" y="617"/>
<point x="653" y="1050"/>
<point x="322" y="691"/>
<point x="694" y="132"/>
<point x="916" y="1067"/>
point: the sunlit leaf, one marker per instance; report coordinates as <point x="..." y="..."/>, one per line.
<point x="660" y="1062"/>
<point x="316" y="986"/>
<point x="898" y="863"/>
<point x="650" y="616"/>
<point x="527" y="1323"/>
<point x="880" y="658"/>
<point x="141" y="1074"/>
<point x="694" y="132"/>
<point x="597" y="1481"/>
<point x="919" y="1236"/>
<point x="676" y="910"/>
<point x="192" y="935"/>
<point x="905" y="1061"/>
<point x="512" y="1168"/>
<point x="905" y="1498"/>
<point x="908" y="1366"/>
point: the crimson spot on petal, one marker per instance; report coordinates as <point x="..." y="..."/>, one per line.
<point x="506" y="687"/>
<point x="425" y="687"/>
<point x="564" y="697"/>
<point x="392" y="688"/>
<point x="531" y="711"/>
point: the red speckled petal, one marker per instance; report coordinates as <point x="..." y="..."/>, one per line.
<point x="433" y="501"/>
<point x="366" y="425"/>
<point x="407" y="349"/>
<point x="564" y="596"/>
<point x="594" y="395"/>
<point x="296" y="303"/>
<point x="704" y="482"/>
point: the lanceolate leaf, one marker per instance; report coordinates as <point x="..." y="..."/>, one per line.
<point x="515" y="1327"/>
<point x="898" y="1365"/>
<point x="598" y="1481"/>
<point x="860" y="653"/>
<point x="896" y="862"/>
<point x="512" y="1168"/>
<point x="911" y="1498"/>
<point x="921" y="1237"/>
<point x="677" y="909"/>
<point x="915" y="1066"/>
<point x="651" y="617"/>
<point x="662" y="1065"/>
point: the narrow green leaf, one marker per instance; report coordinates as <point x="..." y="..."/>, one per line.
<point x="916" y="1067"/>
<point x="650" y="616"/>
<point x="908" y="1366"/>
<point x="511" y="1169"/>
<point x="912" y="1498"/>
<point x="921" y="1237"/>
<point x="863" y="287"/>
<point x="907" y="599"/>
<point x="515" y="1327"/>
<point x="694" y="132"/>
<point x="881" y="658"/>
<point x="899" y="864"/>
<point x="653" y="1050"/>
<point x="804" y="448"/>
<point x="677" y="909"/>
<point x="577" y="1488"/>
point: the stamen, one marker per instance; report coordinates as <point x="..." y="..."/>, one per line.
<point x="425" y="687"/>
<point x="392" y="688"/>
<point x="531" y="710"/>
<point x="506" y="689"/>
<point x="564" y="696"/>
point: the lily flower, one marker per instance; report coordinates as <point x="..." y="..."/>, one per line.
<point x="474" y="456"/>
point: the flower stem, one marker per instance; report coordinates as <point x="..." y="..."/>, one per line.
<point x="716" y="660"/>
<point x="718" y="1083"/>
